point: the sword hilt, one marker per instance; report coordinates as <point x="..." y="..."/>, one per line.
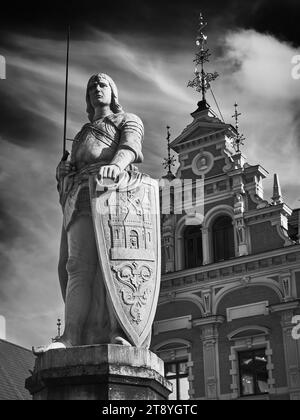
<point x="65" y="156"/>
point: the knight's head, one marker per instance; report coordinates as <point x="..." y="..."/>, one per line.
<point x="101" y="91"/>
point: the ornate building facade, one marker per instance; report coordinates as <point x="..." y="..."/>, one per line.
<point x="231" y="272"/>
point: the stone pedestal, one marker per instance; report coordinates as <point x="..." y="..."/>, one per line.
<point x="99" y="372"/>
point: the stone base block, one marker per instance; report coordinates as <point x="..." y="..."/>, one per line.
<point x="99" y="372"/>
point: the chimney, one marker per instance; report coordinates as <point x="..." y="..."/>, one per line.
<point x="2" y="328"/>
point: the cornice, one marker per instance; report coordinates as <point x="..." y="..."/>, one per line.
<point x="209" y="320"/>
<point x="219" y="126"/>
<point x="220" y="274"/>
<point x="285" y="306"/>
<point x="210" y="140"/>
<point x="235" y="261"/>
<point x="256" y="168"/>
<point x="268" y="210"/>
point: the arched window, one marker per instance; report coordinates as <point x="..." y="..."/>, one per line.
<point x="134" y="240"/>
<point x="193" y="247"/>
<point x="223" y="239"/>
<point x="176" y="357"/>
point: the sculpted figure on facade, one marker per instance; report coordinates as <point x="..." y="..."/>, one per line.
<point x="109" y="258"/>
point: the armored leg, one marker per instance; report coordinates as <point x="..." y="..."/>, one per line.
<point x="81" y="267"/>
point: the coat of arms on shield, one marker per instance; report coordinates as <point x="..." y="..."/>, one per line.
<point x="127" y="226"/>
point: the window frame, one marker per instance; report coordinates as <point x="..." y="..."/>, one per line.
<point x="195" y="237"/>
<point x="177" y="376"/>
<point x="257" y="340"/>
<point x="254" y="373"/>
<point x="177" y="349"/>
<point x="226" y="238"/>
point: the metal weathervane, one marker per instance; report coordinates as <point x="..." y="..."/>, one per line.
<point x="170" y="160"/>
<point x="238" y="139"/>
<point x="203" y="79"/>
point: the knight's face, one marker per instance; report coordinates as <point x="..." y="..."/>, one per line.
<point x="99" y="92"/>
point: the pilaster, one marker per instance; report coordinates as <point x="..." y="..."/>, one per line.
<point x="210" y="341"/>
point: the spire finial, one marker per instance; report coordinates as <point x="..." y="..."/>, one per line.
<point x="203" y="79"/>
<point x="170" y="160"/>
<point x="238" y="138"/>
<point x="277" y="195"/>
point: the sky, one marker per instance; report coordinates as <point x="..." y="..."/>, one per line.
<point x="148" y="48"/>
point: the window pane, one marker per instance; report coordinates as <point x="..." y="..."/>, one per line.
<point x="246" y="361"/>
<point x="170" y="369"/>
<point x="247" y="385"/>
<point x="263" y="387"/>
<point x="184" y="389"/>
<point x="173" y="395"/>
<point x="182" y="368"/>
<point x="261" y="372"/>
<point x="199" y="261"/>
<point x="193" y="247"/>
<point x="253" y="372"/>
<point x="223" y="239"/>
<point x="177" y="374"/>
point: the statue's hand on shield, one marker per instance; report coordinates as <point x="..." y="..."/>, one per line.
<point x="110" y="171"/>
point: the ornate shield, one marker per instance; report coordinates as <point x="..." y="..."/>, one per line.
<point x="127" y="227"/>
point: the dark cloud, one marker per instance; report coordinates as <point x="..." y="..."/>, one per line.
<point x="10" y="228"/>
<point x="10" y="231"/>
<point x="17" y="123"/>
<point x="26" y="110"/>
<point x="162" y="17"/>
<point x="275" y="17"/>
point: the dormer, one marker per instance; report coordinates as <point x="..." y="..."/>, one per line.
<point x="205" y="146"/>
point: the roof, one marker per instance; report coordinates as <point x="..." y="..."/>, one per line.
<point x="15" y="362"/>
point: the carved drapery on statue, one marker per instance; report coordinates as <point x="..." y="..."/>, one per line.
<point x="127" y="228"/>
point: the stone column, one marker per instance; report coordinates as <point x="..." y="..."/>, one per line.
<point x="168" y="228"/>
<point x="179" y="251"/>
<point x="291" y="347"/>
<point x="209" y="335"/>
<point x="99" y="372"/>
<point x="205" y="246"/>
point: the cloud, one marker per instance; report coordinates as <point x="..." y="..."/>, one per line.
<point x="31" y="219"/>
<point x="256" y="71"/>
